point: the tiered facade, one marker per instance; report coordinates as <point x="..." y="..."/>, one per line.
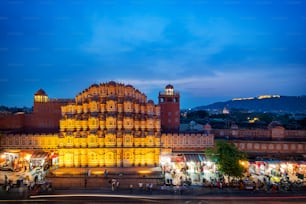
<point x="109" y="125"/>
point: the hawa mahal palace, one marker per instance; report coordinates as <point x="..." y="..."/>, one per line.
<point x="115" y="125"/>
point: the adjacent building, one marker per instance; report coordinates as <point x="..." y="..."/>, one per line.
<point x="44" y="118"/>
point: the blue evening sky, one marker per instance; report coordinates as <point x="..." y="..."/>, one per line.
<point x="208" y="50"/>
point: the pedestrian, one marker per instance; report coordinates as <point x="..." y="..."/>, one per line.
<point x="147" y="186"/>
<point x="131" y="188"/>
<point x="140" y="186"/>
<point x="241" y="185"/>
<point x="7" y="187"/>
<point x="35" y="179"/>
<point x="274" y="188"/>
<point x="85" y="183"/>
<point x="5" y="179"/>
<point x="151" y="187"/>
<point x="117" y="185"/>
<point x="29" y="185"/>
<point x="113" y="186"/>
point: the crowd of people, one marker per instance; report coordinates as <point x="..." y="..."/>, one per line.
<point x="257" y="177"/>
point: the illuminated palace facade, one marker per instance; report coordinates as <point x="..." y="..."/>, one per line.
<point x="107" y="125"/>
<point x="114" y="125"/>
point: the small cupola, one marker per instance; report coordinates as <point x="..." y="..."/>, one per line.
<point x="40" y="96"/>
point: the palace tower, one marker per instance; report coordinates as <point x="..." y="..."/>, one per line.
<point x="169" y="102"/>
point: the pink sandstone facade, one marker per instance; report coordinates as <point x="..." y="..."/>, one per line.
<point x="113" y="115"/>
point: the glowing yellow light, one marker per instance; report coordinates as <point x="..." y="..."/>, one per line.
<point x="268" y="96"/>
<point x="244" y="163"/>
<point x="98" y="172"/>
<point x="58" y="173"/>
<point x="28" y="157"/>
<point x="144" y="171"/>
<point x="253" y="120"/>
<point x="74" y="172"/>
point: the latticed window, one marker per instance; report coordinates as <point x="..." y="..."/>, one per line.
<point x="127" y="139"/>
<point x="150" y="140"/>
<point x="109" y="157"/>
<point x="93" y="156"/>
<point x="92" y="139"/>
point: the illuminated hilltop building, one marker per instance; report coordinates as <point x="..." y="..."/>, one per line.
<point x="109" y="124"/>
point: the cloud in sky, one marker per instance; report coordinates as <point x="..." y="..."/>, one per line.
<point x="208" y="50"/>
<point x="227" y="84"/>
<point x="123" y="34"/>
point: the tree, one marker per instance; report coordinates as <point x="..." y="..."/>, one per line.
<point x="227" y="157"/>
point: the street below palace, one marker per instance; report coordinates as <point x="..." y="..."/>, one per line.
<point x="192" y="195"/>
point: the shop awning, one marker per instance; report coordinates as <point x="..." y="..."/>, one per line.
<point x="178" y="159"/>
<point x="195" y="157"/>
<point x="39" y="155"/>
<point x="54" y="156"/>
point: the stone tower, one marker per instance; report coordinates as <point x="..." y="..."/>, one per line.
<point x="169" y="102"/>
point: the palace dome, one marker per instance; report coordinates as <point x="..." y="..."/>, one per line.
<point x="95" y="85"/>
<point x="112" y="83"/>
<point x="169" y="86"/>
<point x="129" y="85"/>
<point x="40" y="92"/>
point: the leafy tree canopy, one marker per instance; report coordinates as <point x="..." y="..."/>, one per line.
<point x="227" y="157"/>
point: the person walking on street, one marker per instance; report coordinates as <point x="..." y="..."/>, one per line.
<point x="117" y="185"/>
<point x="113" y="186"/>
<point x="85" y="183"/>
<point x="151" y="187"/>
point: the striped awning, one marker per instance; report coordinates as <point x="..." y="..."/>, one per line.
<point x="195" y="157"/>
<point x="39" y="155"/>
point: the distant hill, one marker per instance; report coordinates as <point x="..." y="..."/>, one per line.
<point x="5" y="109"/>
<point x="270" y="103"/>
